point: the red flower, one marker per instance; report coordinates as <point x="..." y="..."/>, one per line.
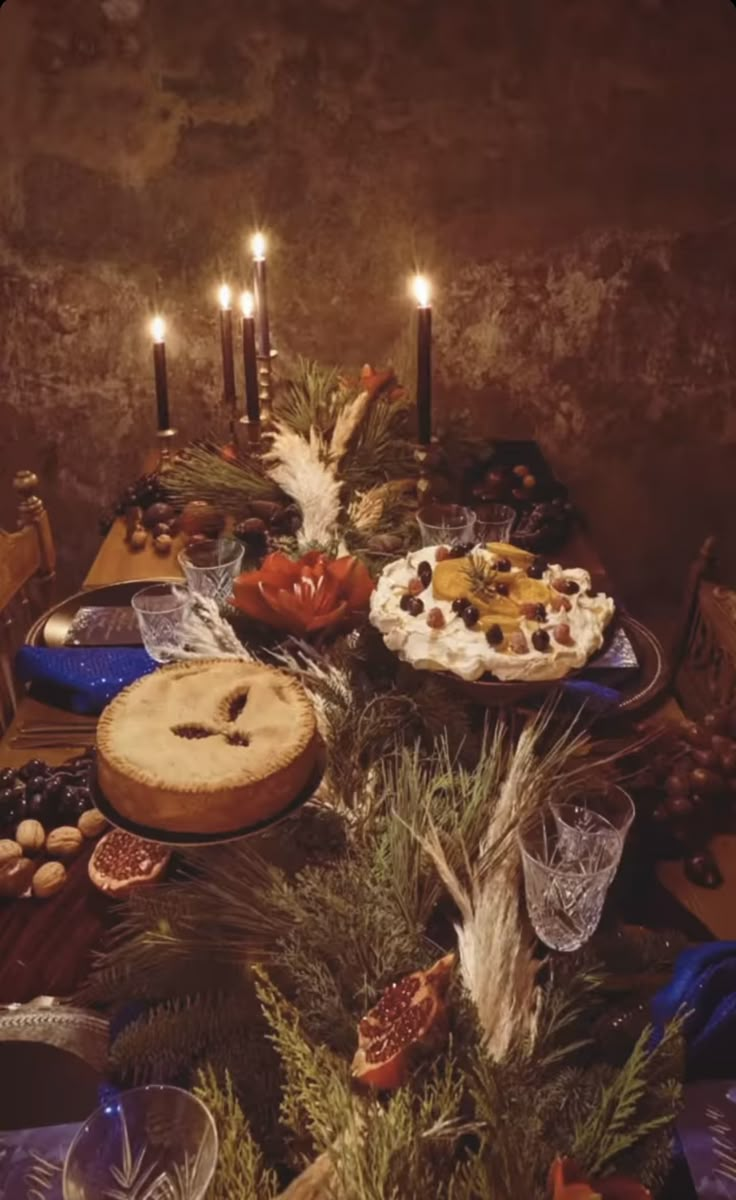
<point x="305" y="595"/>
<point x="567" y="1182"/>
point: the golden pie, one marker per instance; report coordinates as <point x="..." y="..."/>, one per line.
<point x="207" y="747"/>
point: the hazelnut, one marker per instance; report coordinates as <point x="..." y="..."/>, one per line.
<point x="9" y="850"/>
<point x="64" y="842"/>
<point x="92" y="823"/>
<point x="138" y="539"/>
<point x="30" y="835"/>
<point x="163" y="543"/>
<point x="16" y="876"/>
<point x="48" y="880"/>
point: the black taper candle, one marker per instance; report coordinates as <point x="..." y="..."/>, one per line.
<point x="250" y="368"/>
<point x="228" y="365"/>
<point x="261" y="298"/>
<point x="162" y="387"/>
<point x="424" y="374"/>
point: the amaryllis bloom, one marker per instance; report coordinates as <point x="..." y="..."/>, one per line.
<point x="566" y="1182"/>
<point x="305" y="595"/>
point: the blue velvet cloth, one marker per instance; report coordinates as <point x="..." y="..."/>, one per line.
<point x="704" y="985"/>
<point x="83" y="679"/>
<point x="594" y="698"/>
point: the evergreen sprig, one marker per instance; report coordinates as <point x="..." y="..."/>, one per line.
<point x="201" y="473"/>
<point x="241" y="1173"/>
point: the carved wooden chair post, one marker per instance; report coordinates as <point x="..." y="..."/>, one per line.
<point x="705" y="672"/>
<point x="27" y="574"/>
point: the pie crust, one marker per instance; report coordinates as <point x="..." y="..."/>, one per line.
<point x="207" y="747"/>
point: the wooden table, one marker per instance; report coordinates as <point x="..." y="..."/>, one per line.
<point x="46" y="946"/>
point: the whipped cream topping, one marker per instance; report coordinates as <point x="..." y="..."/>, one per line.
<point x="465" y="652"/>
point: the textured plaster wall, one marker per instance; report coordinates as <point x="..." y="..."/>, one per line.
<point x="565" y="171"/>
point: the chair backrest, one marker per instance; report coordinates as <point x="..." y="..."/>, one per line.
<point x="705" y="670"/>
<point x="27" y="573"/>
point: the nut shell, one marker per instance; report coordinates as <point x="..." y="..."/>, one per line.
<point x="138" y="539"/>
<point x="163" y="543"/>
<point x="64" y="842"/>
<point x="92" y="823"/>
<point x="16" y="876"/>
<point x="9" y="851"/>
<point x="30" y="836"/>
<point x="48" y="880"/>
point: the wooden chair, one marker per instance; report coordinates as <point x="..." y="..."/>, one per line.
<point x="705" y="658"/>
<point x="27" y="573"/>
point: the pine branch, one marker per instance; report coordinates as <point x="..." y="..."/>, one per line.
<point x="241" y="1173"/>
<point x="201" y="473"/>
<point x="621" y="1119"/>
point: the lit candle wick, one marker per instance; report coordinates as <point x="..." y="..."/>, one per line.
<point x="421" y="291"/>
<point x="258" y="246"/>
<point x="158" y="329"/>
<point x="225" y="297"/>
<point x="247" y="304"/>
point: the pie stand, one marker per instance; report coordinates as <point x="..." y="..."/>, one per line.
<point x="353" y="899"/>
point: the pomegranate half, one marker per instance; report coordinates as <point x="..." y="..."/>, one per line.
<point x="410" y="1014"/>
<point x="121" y="861"/>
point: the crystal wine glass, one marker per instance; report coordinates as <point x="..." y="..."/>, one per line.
<point x="161" y="610"/>
<point x="211" y="566"/>
<point x="567" y="872"/>
<point x="446" y="524"/>
<point x="152" y="1143"/>
<point x="579" y="812"/>
<point x="494" y="523"/>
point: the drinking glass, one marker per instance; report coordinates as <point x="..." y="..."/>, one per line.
<point x="579" y="812"/>
<point x="210" y="567"/>
<point x="446" y="524"/>
<point x="494" y="523"/>
<point x="161" y="610"/>
<point x="153" y="1143"/>
<point x="567" y="872"/>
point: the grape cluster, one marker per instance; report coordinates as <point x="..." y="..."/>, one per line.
<point x="544" y="526"/>
<point x="51" y="795"/>
<point x="689" y="792"/>
<point x="147" y="490"/>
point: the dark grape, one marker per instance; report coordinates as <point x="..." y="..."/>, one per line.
<point x="404" y="601"/>
<point x="503" y="564"/>
<point x="459" y="604"/>
<point x="502" y="588"/>
<point x="540" y="639"/>
<point x="706" y="758"/>
<point x="706" y="782"/>
<point x="37" y="806"/>
<point x="7" y="797"/>
<point x="7" y="777"/>
<point x="33" y="769"/>
<point x="494" y="635"/>
<point x="470" y="615"/>
<point x="84" y="796"/>
<point x="424" y="571"/>
<point x="415" y="606"/>
<point x="716" y="722"/>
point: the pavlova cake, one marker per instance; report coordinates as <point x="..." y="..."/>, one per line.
<point x="491" y="610"/>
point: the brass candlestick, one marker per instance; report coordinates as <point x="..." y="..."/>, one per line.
<point x="248" y="433"/>
<point x="265" y="382"/>
<point x="165" y="438"/>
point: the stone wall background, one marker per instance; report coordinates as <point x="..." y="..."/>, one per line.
<point x="565" y="173"/>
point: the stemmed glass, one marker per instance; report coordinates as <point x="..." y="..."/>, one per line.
<point x="161" y="610"/>
<point x="569" y="857"/>
<point x="446" y="524"/>
<point x="494" y="523"/>
<point x="579" y="812"/>
<point x="152" y="1143"/>
<point x="211" y="566"/>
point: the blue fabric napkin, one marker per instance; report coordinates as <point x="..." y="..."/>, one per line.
<point x="84" y="680"/>
<point x="704" y="984"/>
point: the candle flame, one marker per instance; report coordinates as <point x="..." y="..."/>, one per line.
<point x="225" y="297"/>
<point x="258" y="246"/>
<point x="421" y="289"/>
<point x="158" y="329"/>
<point x="246" y="303"/>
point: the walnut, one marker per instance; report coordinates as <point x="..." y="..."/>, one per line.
<point x="16" y="876"/>
<point x="64" y="842"/>
<point x="92" y="823"/>
<point x="8" y="851"/>
<point x="48" y="880"/>
<point x="30" y="835"/>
